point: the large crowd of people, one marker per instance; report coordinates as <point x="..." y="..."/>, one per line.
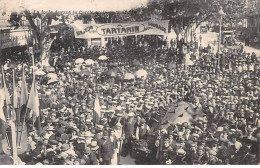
<point x="223" y="88"/>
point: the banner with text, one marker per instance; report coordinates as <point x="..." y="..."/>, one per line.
<point x="87" y="31"/>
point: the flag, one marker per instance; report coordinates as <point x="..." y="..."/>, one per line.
<point x="15" y="102"/>
<point x="6" y="92"/>
<point x="33" y="102"/>
<point x="96" y="115"/>
<point x="2" y="113"/>
<point x="24" y="91"/>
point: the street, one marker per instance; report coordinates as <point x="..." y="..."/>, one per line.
<point x="210" y="37"/>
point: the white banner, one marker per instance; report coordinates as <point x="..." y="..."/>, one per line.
<point x="87" y="31"/>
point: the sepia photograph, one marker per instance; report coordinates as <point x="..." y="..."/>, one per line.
<point x="129" y="82"/>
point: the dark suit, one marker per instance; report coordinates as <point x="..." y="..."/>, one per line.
<point x="90" y="159"/>
<point x="106" y="150"/>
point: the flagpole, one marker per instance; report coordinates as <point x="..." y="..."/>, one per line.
<point x="37" y="118"/>
<point x="14" y="147"/>
<point x="15" y="106"/>
<point x="15" y="103"/>
<point x="25" y="99"/>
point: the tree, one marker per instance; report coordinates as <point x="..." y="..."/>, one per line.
<point x="39" y="23"/>
<point x="182" y="14"/>
<point x="65" y="38"/>
<point x="15" y="19"/>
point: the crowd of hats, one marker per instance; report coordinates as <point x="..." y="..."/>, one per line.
<point x="227" y="95"/>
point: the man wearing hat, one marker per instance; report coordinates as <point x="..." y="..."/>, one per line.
<point x="118" y="118"/>
<point x="142" y="130"/>
<point x="129" y="129"/>
<point x="49" y="134"/>
<point x="167" y="151"/>
<point x="89" y="157"/>
<point x="213" y="160"/>
<point x="99" y="132"/>
<point x="180" y="158"/>
<point x="192" y="155"/>
<point x="106" y="149"/>
<point x="200" y="152"/>
<point x="118" y="133"/>
<point x="79" y="146"/>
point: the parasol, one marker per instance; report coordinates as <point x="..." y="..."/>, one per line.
<point x="89" y="62"/>
<point x="79" y="61"/>
<point x="52" y="75"/>
<point x="102" y="57"/>
<point x="141" y="74"/>
<point x="129" y="76"/>
<point x="39" y="72"/>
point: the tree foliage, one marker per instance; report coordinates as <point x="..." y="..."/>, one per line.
<point x="183" y="13"/>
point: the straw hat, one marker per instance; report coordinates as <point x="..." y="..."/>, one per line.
<point x="94" y="146"/>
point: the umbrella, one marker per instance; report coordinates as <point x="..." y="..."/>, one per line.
<point x="89" y="62"/>
<point x="141" y="73"/>
<point x="102" y="57"/>
<point x="184" y="112"/>
<point x="50" y="69"/>
<point x="79" y="61"/>
<point x="52" y="75"/>
<point x="84" y="72"/>
<point x="39" y="72"/>
<point x="52" y="81"/>
<point x="129" y="76"/>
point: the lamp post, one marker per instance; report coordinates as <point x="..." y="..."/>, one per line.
<point x="221" y="13"/>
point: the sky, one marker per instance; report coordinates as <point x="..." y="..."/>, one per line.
<point x="66" y="5"/>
